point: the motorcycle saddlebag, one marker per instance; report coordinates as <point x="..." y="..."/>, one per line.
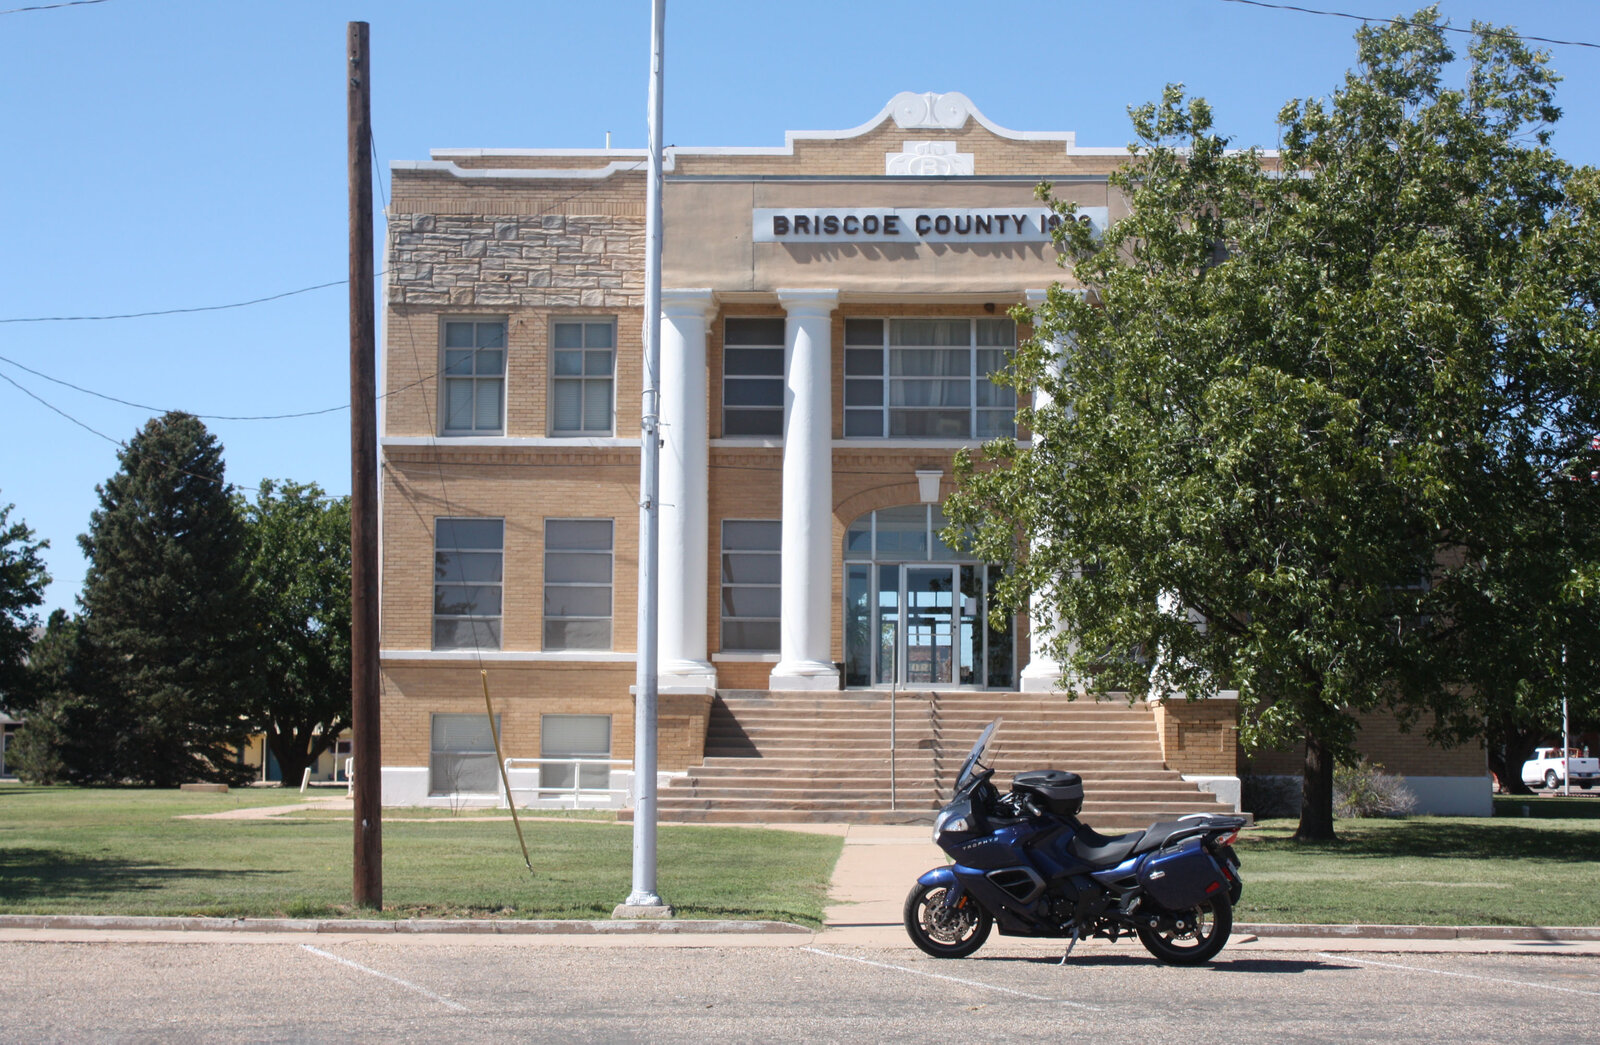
<point x="1057" y="790"/>
<point x="1182" y="876"/>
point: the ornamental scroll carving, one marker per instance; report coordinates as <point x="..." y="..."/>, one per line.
<point x="930" y="110"/>
<point x="928" y="158"/>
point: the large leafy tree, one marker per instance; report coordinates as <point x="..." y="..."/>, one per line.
<point x="297" y="564"/>
<point x="1309" y="436"/>
<point x="163" y="669"/>
<point x="22" y="582"/>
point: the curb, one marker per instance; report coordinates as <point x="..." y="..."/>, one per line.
<point x="1578" y="933"/>
<point x="502" y="926"/>
<point x="667" y="927"/>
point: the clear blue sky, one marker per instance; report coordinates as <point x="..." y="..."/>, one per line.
<point x="178" y="153"/>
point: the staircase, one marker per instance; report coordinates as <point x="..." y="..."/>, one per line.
<point x="810" y="757"/>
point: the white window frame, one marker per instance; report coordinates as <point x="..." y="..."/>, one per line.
<point x="447" y="379"/>
<point x="495" y="621"/>
<point x="745" y="409"/>
<point x="609" y="585"/>
<point x="729" y="586"/>
<point x="590" y="778"/>
<point x="474" y="753"/>
<point x="586" y="354"/>
<point x="880" y="384"/>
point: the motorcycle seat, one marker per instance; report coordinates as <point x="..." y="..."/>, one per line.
<point x="1099" y="851"/>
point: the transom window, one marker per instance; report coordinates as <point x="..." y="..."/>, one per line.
<point x="577" y="584"/>
<point x="752" y="568"/>
<point x="582" y="369"/>
<point x="474" y="376"/>
<point x="927" y="378"/>
<point x="752" y="377"/>
<point x="468" y="556"/>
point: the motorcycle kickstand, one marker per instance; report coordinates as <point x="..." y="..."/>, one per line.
<point x="1070" y="946"/>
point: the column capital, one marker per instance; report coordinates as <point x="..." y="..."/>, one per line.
<point x="1033" y="298"/>
<point x="688" y="302"/>
<point x="798" y="302"/>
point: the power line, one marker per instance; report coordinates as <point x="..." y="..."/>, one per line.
<point x="177" y="311"/>
<point x="1408" y="22"/>
<point x="51" y="7"/>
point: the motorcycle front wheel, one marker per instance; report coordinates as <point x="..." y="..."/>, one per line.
<point x="1191" y="937"/>
<point x="942" y="931"/>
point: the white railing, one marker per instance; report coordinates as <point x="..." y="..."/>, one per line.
<point x="350" y="777"/>
<point x="576" y="793"/>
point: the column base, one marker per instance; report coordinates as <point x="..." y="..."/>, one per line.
<point x="687" y="676"/>
<point x="803" y="675"/>
<point x="634" y="911"/>
<point x="1042" y="676"/>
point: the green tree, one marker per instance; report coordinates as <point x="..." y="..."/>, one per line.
<point x="1314" y="412"/>
<point x="297" y="565"/>
<point x="22" y="582"/>
<point x="38" y="752"/>
<point x="163" y="668"/>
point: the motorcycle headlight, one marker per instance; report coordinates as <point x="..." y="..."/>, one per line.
<point x="945" y="821"/>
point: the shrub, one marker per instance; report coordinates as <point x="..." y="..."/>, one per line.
<point x="1365" y="790"/>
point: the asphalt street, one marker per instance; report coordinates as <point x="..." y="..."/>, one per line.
<point x="441" y="989"/>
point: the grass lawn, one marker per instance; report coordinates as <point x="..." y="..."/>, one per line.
<point x="1508" y="870"/>
<point x="122" y="851"/>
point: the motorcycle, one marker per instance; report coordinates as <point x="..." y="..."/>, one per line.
<point x="1026" y="864"/>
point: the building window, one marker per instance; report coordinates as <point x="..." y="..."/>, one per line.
<point x="574" y="736"/>
<point x="752" y="377"/>
<point x="468" y="555"/>
<point x="474" y="377"/>
<point x="751" y="569"/>
<point x="581" y="367"/>
<point x="461" y="759"/>
<point x="927" y="378"/>
<point x="577" y="584"/>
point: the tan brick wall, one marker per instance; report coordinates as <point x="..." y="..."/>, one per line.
<point x="521" y="692"/>
<point x="414" y="339"/>
<point x="1381" y="740"/>
<point x="525" y="486"/>
<point x="1199" y="737"/>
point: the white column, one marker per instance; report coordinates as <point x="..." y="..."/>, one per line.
<point x="685" y="468"/>
<point x="805" y="653"/>
<point x="1043" y="673"/>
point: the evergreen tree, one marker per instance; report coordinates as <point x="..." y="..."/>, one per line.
<point x="164" y="670"/>
<point x="37" y="753"/>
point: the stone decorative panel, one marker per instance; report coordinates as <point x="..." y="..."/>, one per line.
<point x="928" y="158"/>
<point x="545" y="260"/>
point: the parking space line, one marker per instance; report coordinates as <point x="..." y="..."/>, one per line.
<point x="1462" y="975"/>
<point x="407" y="984"/>
<point x="952" y="979"/>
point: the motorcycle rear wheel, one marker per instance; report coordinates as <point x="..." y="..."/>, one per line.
<point x="944" y="932"/>
<point x="1198" y="940"/>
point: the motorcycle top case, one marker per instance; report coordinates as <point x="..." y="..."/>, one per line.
<point x="1060" y="791"/>
<point x="1181" y="877"/>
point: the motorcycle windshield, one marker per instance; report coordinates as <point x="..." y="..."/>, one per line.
<point x="975" y="756"/>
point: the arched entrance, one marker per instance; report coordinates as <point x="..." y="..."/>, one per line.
<point x="915" y="612"/>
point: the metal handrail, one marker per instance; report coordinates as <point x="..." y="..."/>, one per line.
<point x="577" y="792"/>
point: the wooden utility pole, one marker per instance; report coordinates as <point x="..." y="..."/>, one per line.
<point x="368" y="862"/>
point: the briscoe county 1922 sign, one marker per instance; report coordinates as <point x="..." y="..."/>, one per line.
<point x="914" y="224"/>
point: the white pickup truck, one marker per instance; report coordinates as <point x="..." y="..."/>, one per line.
<point x="1549" y="769"/>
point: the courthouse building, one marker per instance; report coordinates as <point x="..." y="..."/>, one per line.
<point x="831" y="311"/>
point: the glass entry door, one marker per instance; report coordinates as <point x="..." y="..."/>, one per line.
<point x="926" y="623"/>
<point x="914" y="614"/>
